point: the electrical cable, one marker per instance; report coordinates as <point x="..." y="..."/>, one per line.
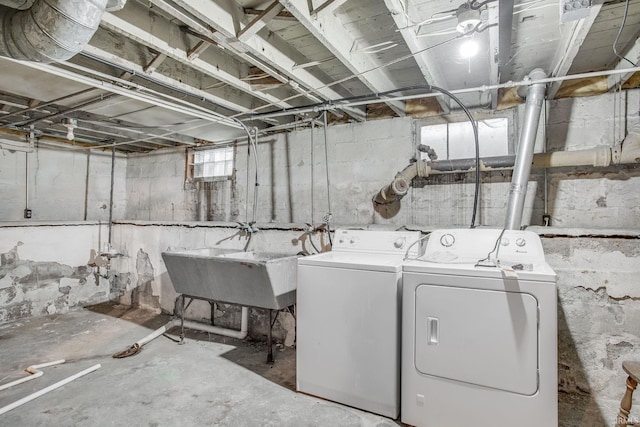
<point x="624" y="20"/>
<point x="496" y="249"/>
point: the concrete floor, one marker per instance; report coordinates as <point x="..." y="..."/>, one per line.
<point x="209" y="380"/>
<point x="199" y="383"/>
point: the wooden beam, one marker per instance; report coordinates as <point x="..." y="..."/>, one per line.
<point x="140" y="27"/>
<point x="155" y="63"/>
<point x="195" y="52"/>
<point x="281" y="16"/>
<point x="260" y="21"/>
<point x="269" y="51"/>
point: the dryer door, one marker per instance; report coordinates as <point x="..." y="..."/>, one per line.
<point x="477" y="336"/>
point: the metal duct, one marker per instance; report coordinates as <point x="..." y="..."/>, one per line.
<point x="49" y="30"/>
<point x="522" y="169"/>
<point x="17" y="4"/>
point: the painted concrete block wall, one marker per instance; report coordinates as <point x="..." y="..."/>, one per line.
<point x="43" y="268"/>
<point x="58" y="185"/>
<point x="156" y="190"/>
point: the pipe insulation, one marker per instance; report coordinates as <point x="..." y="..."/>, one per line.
<point x="524" y="157"/>
<point x="48" y="30"/>
<point x="628" y="152"/>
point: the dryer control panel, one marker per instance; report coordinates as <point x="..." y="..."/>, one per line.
<point x="471" y="245"/>
<point x="377" y="241"/>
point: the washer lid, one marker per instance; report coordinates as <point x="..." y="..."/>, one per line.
<point x="464" y="267"/>
<point x="355" y="261"/>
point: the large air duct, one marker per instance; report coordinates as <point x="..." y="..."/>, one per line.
<point x="522" y="169"/>
<point x="49" y="30"/>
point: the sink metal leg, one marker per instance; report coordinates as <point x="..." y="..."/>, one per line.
<point x="272" y="321"/>
<point x="182" y="320"/>
<point x="269" y="344"/>
<point x="213" y="312"/>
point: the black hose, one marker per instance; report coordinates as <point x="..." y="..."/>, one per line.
<point x="476" y="194"/>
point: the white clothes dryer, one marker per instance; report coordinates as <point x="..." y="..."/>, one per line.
<point x="479" y="339"/>
<point x="348" y="319"/>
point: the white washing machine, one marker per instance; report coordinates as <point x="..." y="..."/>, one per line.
<point x="479" y="338"/>
<point x="348" y="319"/>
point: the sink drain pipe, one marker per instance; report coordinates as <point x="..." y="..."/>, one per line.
<point x="241" y="334"/>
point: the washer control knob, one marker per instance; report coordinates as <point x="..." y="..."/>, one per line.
<point x="399" y="242"/>
<point x="520" y="242"/>
<point x="352" y="241"/>
<point x="504" y="241"/>
<point x="447" y="240"/>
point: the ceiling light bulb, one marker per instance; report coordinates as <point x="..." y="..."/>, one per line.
<point x="468" y="49"/>
<point x="468" y="19"/>
<point x="70" y="134"/>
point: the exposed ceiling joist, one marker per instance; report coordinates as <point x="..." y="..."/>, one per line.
<point x="119" y="60"/>
<point x="569" y="46"/>
<point x="275" y="54"/>
<point x="418" y="47"/>
<point x="140" y="27"/>
<point x="331" y="33"/>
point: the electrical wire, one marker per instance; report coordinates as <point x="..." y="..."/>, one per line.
<point x="496" y="249"/>
<point x="624" y="21"/>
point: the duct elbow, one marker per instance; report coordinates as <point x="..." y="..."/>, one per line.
<point x="49" y="31"/>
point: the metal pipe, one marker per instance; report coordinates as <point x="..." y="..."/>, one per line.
<point x="49" y="30"/>
<point x="113" y="164"/>
<point x="326" y="161"/>
<point x="26" y="181"/>
<point x="136" y="92"/>
<point x="336" y="104"/>
<point x="522" y="169"/>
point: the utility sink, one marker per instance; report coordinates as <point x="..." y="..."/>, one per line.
<point x="253" y="279"/>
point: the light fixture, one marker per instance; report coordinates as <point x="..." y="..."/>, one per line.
<point x="469" y="48"/>
<point x="70" y="124"/>
<point x="468" y="19"/>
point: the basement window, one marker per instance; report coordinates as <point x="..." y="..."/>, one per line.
<point x="449" y="141"/>
<point x="213" y="164"/>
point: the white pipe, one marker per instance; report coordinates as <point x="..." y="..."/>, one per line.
<point x="241" y="334"/>
<point x="485" y="88"/>
<point x="140" y="96"/>
<point x="46" y="390"/>
<point x="34" y="373"/>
